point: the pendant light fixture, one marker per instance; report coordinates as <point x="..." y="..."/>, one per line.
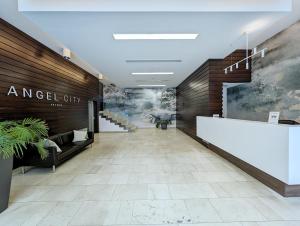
<point x="255" y="52"/>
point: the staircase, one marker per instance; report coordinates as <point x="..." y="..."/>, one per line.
<point x="111" y="122"/>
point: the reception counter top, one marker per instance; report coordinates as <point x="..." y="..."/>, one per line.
<point x="271" y="148"/>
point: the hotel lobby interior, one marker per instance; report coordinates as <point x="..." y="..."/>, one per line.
<point x="149" y="113"/>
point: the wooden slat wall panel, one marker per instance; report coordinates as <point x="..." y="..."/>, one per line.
<point x="26" y="63"/>
<point x="217" y="77"/>
<point x="201" y="93"/>
<point x="192" y="99"/>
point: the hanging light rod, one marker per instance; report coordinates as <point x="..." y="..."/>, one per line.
<point x="231" y="67"/>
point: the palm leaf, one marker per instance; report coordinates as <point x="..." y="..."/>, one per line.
<point x="5" y="147"/>
<point x="7" y="124"/>
<point x="36" y="126"/>
<point x="15" y="136"/>
<point x="10" y="146"/>
<point x="20" y="132"/>
<point x="18" y="146"/>
<point x="41" y="150"/>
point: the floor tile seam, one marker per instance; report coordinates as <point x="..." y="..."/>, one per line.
<point x="191" y="214"/>
<point x="217" y="223"/>
<point x="49" y="212"/>
<point x="266" y="206"/>
<point x="134" y="200"/>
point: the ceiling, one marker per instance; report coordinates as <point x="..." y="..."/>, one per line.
<point x="87" y="29"/>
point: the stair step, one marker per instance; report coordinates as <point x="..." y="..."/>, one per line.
<point x="112" y="120"/>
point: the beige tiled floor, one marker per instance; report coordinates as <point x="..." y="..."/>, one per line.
<point x="150" y="177"/>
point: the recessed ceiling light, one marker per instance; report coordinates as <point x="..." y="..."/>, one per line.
<point x="151" y="85"/>
<point x="154" y="36"/>
<point x="152" y="73"/>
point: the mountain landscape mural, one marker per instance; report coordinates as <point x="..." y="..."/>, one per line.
<point x="141" y="106"/>
<point x="275" y="82"/>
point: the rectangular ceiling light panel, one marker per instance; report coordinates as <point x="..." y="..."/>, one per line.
<point x="153" y="61"/>
<point x="151" y="85"/>
<point x="152" y="73"/>
<point x="155" y="36"/>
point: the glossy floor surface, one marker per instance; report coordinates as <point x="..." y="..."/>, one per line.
<point x="150" y="177"/>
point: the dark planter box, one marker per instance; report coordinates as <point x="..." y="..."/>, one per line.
<point x="6" y="166"/>
<point x="164" y="126"/>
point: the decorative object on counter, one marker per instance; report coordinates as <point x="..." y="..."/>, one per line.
<point x="274" y="117"/>
<point x="15" y="137"/>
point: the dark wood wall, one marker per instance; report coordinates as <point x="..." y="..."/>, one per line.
<point x="26" y="63"/>
<point x="192" y="99"/>
<point x="201" y="93"/>
<point x="217" y="77"/>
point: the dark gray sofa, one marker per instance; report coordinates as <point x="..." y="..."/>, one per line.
<point x="54" y="159"/>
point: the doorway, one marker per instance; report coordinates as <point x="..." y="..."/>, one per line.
<point x="92" y="114"/>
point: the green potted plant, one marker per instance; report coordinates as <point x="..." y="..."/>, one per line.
<point x="163" y="124"/>
<point x="15" y="137"/>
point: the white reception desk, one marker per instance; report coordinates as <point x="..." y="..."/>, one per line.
<point x="274" y="149"/>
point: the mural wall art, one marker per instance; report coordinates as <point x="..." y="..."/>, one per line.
<point x="275" y="82"/>
<point x="142" y="106"/>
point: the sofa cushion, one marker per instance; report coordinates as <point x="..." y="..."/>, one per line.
<point x="67" y="138"/>
<point x="68" y="151"/>
<point x="49" y="143"/>
<point x="57" y="140"/>
<point x="75" y="145"/>
<point x="80" y="135"/>
<point x="67" y="147"/>
<point x="88" y="142"/>
<point x="79" y="143"/>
